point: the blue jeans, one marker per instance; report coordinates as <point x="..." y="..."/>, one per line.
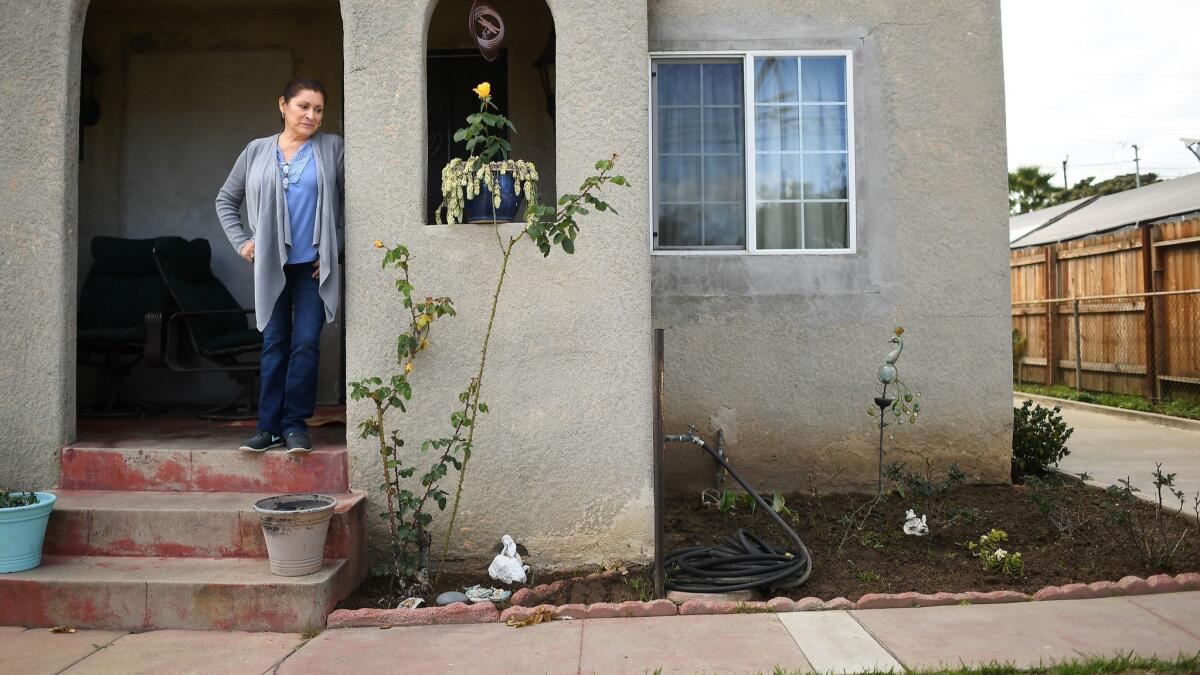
<point x="290" y="354"/>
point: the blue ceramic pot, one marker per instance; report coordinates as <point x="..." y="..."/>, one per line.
<point x="22" y="531"/>
<point x="479" y="209"/>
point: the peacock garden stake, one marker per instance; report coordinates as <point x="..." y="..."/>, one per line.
<point x="904" y="406"/>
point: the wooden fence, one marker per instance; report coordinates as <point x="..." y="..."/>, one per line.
<point x="1114" y="312"/>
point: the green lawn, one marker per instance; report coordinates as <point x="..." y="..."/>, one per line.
<point x="1173" y="407"/>
<point x="1121" y="664"/>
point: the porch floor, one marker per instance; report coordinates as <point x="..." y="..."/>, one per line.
<point x="183" y="432"/>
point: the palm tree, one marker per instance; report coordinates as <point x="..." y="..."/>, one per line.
<point x="1029" y="189"/>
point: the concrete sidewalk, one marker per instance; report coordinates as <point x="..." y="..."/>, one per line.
<point x="1112" y="447"/>
<point x="1025" y="634"/>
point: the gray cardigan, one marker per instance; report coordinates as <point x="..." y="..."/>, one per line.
<point x="255" y="181"/>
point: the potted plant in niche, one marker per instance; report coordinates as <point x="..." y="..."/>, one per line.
<point x="482" y="188"/>
<point x="23" y="519"/>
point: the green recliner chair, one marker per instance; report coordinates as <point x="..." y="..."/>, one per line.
<point x="210" y="324"/>
<point x="122" y="295"/>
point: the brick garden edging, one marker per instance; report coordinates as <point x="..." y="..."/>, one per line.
<point x="487" y="613"/>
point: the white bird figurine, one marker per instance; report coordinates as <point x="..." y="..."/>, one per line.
<point x="915" y="526"/>
<point x="507" y="567"/>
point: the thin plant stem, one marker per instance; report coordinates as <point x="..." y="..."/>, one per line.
<point x="487" y="336"/>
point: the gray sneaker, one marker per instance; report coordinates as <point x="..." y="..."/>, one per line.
<point x="261" y="441"/>
<point x="298" y="443"/>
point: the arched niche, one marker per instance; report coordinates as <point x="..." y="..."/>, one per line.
<point x="522" y="78"/>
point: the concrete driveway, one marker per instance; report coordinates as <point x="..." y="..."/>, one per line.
<point x="1111" y="447"/>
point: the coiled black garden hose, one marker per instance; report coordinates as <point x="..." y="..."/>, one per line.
<point x="745" y="561"/>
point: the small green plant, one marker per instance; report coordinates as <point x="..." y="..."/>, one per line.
<point x="9" y="500"/>
<point x="1156" y="539"/>
<point x="1039" y="439"/>
<point x="932" y="495"/>
<point x="643" y="587"/>
<point x="1055" y="501"/>
<point x="996" y="559"/>
<point x="853" y="525"/>
<point x="867" y="576"/>
<point x="731" y="501"/>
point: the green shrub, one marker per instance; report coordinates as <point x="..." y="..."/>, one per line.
<point x="1039" y="439"/>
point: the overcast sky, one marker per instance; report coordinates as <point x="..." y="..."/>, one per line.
<point x="1090" y="78"/>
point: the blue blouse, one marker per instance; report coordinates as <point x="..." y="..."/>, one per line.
<point x="300" y="189"/>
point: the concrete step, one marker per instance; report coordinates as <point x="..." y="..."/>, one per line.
<point x="184" y="525"/>
<point x="161" y="467"/>
<point x="152" y="593"/>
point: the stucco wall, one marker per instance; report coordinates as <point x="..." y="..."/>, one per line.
<point x="781" y="351"/>
<point x="562" y="462"/>
<point x="182" y="88"/>
<point x="39" y="70"/>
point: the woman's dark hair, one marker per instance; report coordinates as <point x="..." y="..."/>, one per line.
<point x="302" y="83"/>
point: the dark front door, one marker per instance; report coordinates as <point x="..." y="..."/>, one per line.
<point x="452" y="76"/>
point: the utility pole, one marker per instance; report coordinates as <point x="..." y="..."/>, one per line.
<point x="1066" y="183"/>
<point x="1137" y="168"/>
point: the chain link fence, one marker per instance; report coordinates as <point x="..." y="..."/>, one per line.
<point x="1137" y="344"/>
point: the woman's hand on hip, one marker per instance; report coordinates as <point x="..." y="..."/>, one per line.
<point x="317" y="268"/>
<point x="247" y="251"/>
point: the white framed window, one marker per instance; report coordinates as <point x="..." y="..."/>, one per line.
<point x="752" y="152"/>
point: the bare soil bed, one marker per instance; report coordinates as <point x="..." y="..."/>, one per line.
<point x="1073" y="539"/>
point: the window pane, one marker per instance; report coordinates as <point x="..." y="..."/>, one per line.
<point x="723" y="84"/>
<point x="679" y="225"/>
<point x="824" y="127"/>
<point x="777" y="176"/>
<point x="678" y="84"/>
<point x="723" y="179"/>
<point x="776" y="80"/>
<point x="823" y="78"/>
<point x="778" y="225"/>
<point x="777" y="127"/>
<point x="679" y="130"/>
<point x="679" y="179"/>
<point x="825" y="225"/>
<point x="825" y="176"/>
<point x="724" y="225"/>
<point x="723" y="130"/>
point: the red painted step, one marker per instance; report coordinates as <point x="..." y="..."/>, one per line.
<point x="167" y="469"/>
<point x="155" y="593"/>
<point x="183" y="525"/>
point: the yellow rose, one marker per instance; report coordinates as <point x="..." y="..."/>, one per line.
<point x="408" y="367"/>
<point x="483" y="90"/>
<point x="378" y="244"/>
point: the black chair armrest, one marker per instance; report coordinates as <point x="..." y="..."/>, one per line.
<point x="154" y="350"/>
<point x="172" y="351"/>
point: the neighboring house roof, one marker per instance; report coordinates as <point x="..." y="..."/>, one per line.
<point x="1109" y="212"/>
<point x="1031" y="221"/>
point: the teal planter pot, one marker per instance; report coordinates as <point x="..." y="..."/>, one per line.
<point x="22" y="531"/>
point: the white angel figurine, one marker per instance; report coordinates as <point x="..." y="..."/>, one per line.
<point x="507" y="567"/>
<point x="914" y="525"/>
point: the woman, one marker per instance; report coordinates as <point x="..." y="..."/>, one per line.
<point x="292" y="185"/>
